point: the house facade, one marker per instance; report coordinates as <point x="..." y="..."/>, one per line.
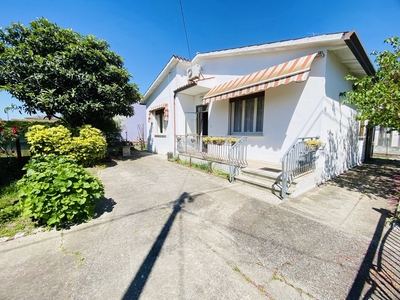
<point x="273" y="94"/>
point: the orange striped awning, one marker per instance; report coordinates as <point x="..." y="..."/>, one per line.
<point x="163" y="106"/>
<point x="296" y="70"/>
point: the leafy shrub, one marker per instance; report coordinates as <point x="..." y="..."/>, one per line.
<point x="86" y="148"/>
<point x="57" y="192"/>
<point x="54" y="140"/>
<point x="89" y="146"/>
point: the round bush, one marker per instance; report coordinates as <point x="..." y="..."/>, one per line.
<point x="56" y="191"/>
<point x="87" y="148"/>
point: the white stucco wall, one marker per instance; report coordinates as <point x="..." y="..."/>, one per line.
<point x="162" y="143"/>
<point x="290" y="111"/>
<point x="340" y="130"/>
<point x="218" y="118"/>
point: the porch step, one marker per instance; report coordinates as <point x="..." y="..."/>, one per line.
<point x="264" y="179"/>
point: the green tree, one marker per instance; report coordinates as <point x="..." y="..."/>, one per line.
<point x="64" y="75"/>
<point x="377" y="97"/>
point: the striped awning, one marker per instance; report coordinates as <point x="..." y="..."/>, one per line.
<point x="296" y="70"/>
<point x="163" y="106"/>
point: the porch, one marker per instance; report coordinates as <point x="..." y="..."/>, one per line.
<point x="229" y="154"/>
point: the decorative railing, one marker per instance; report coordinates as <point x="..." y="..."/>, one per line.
<point x="299" y="159"/>
<point x="188" y="144"/>
<point x="227" y="149"/>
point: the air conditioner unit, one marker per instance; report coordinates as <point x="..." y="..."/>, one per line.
<point x="193" y="72"/>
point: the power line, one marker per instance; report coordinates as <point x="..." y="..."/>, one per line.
<point x="184" y="26"/>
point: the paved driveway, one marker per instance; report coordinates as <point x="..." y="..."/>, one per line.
<point x="166" y="231"/>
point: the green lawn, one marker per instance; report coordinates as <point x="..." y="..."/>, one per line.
<point x="11" y="221"/>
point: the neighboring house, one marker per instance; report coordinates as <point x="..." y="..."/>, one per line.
<point x="272" y="97"/>
<point x="135" y="125"/>
<point x="386" y="141"/>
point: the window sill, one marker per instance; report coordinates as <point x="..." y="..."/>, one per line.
<point x="247" y="134"/>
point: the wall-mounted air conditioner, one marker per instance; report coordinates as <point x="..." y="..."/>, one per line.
<point x="193" y="72"/>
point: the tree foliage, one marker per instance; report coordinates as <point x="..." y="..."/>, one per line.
<point x="378" y="97"/>
<point x="64" y="74"/>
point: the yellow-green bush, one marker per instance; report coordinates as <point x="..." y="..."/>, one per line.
<point x="89" y="147"/>
<point x="43" y="140"/>
<point x="86" y="148"/>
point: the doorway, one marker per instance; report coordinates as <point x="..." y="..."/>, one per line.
<point x="202" y="120"/>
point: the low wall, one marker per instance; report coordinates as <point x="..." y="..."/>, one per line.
<point x="386" y="150"/>
<point x="196" y="160"/>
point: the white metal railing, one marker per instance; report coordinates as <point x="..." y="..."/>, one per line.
<point x="237" y="157"/>
<point x="188" y="143"/>
<point x="297" y="160"/>
<point x="226" y="149"/>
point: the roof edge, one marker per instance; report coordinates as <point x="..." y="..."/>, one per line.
<point x="356" y="47"/>
<point x="175" y="59"/>
<point x="282" y="43"/>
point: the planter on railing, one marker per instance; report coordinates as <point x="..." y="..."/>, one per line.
<point x="217" y="148"/>
<point x="214" y="148"/>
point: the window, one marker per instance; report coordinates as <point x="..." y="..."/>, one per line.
<point x="160" y="121"/>
<point x="247" y="114"/>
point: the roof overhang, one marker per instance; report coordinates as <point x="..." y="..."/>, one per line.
<point x="193" y="88"/>
<point x="354" y="44"/>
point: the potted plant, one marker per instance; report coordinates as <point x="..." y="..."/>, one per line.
<point x="218" y="141"/>
<point x="206" y="140"/>
<point x="232" y="140"/>
<point x="314" y="145"/>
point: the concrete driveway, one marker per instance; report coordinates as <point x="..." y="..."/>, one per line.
<point x="166" y="231"/>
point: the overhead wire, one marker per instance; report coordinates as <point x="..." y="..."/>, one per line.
<point x="184" y="26"/>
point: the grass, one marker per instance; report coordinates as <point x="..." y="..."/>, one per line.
<point x="77" y="254"/>
<point x="11" y="220"/>
<point x="202" y="167"/>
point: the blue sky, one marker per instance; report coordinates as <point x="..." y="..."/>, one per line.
<point x="147" y="33"/>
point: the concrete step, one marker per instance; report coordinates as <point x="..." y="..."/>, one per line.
<point x="268" y="180"/>
<point x="261" y="174"/>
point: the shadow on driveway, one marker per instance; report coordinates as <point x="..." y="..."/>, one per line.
<point x="136" y="288"/>
<point x="380" y="175"/>
<point x="378" y="278"/>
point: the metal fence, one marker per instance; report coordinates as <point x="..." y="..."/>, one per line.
<point x="299" y="159"/>
<point x="225" y="149"/>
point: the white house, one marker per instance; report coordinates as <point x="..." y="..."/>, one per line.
<point x="271" y="97"/>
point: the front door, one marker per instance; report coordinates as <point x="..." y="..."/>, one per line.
<point x="196" y="127"/>
<point x="202" y="120"/>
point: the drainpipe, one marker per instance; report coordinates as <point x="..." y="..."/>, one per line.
<point x="174" y="124"/>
